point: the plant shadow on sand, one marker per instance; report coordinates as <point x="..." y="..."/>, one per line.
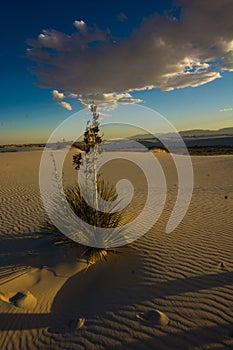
<point x="104" y="288"/>
<point x="35" y="250"/>
<point x="30" y="256"/>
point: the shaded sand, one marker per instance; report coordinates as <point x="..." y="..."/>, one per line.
<point x="164" y="291"/>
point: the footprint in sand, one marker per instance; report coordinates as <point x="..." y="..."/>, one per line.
<point x="222" y="266"/>
<point x="24" y="299"/>
<point x="73" y="325"/>
<point x="153" y="317"/>
<point x="76" y="323"/>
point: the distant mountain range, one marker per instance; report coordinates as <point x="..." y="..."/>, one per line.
<point x="200" y="132"/>
<point x="219" y="137"/>
<point x="192" y="133"/>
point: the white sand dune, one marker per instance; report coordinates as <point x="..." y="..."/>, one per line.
<point x="48" y="300"/>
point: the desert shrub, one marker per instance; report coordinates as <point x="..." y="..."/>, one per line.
<point x="95" y="218"/>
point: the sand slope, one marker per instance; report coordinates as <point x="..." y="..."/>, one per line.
<point x="48" y="300"/>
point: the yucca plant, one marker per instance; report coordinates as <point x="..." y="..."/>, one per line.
<point x="89" y="214"/>
<point x="93" y="216"/>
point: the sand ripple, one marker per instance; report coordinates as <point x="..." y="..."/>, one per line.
<point x="186" y="275"/>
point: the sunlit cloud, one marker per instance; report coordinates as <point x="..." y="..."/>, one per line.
<point x="189" y="79"/>
<point x="80" y="25"/>
<point x="226" y="109"/>
<point x="65" y="105"/>
<point x="163" y="52"/>
<point x="108" y="98"/>
<point x="73" y="95"/>
<point x="58" y="96"/>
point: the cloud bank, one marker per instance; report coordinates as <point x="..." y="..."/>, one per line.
<point x="166" y="52"/>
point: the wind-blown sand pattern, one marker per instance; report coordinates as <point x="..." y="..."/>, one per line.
<point x="48" y="300"/>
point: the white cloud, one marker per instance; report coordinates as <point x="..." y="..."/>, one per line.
<point x="129" y="100"/>
<point x="58" y="96"/>
<point x="65" y="105"/>
<point x="226" y="109"/>
<point x="189" y="79"/>
<point x="72" y="95"/>
<point x="80" y="25"/>
<point x="162" y="52"/>
<point x="109" y="100"/>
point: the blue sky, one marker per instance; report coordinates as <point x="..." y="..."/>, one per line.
<point x="28" y="113"/>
